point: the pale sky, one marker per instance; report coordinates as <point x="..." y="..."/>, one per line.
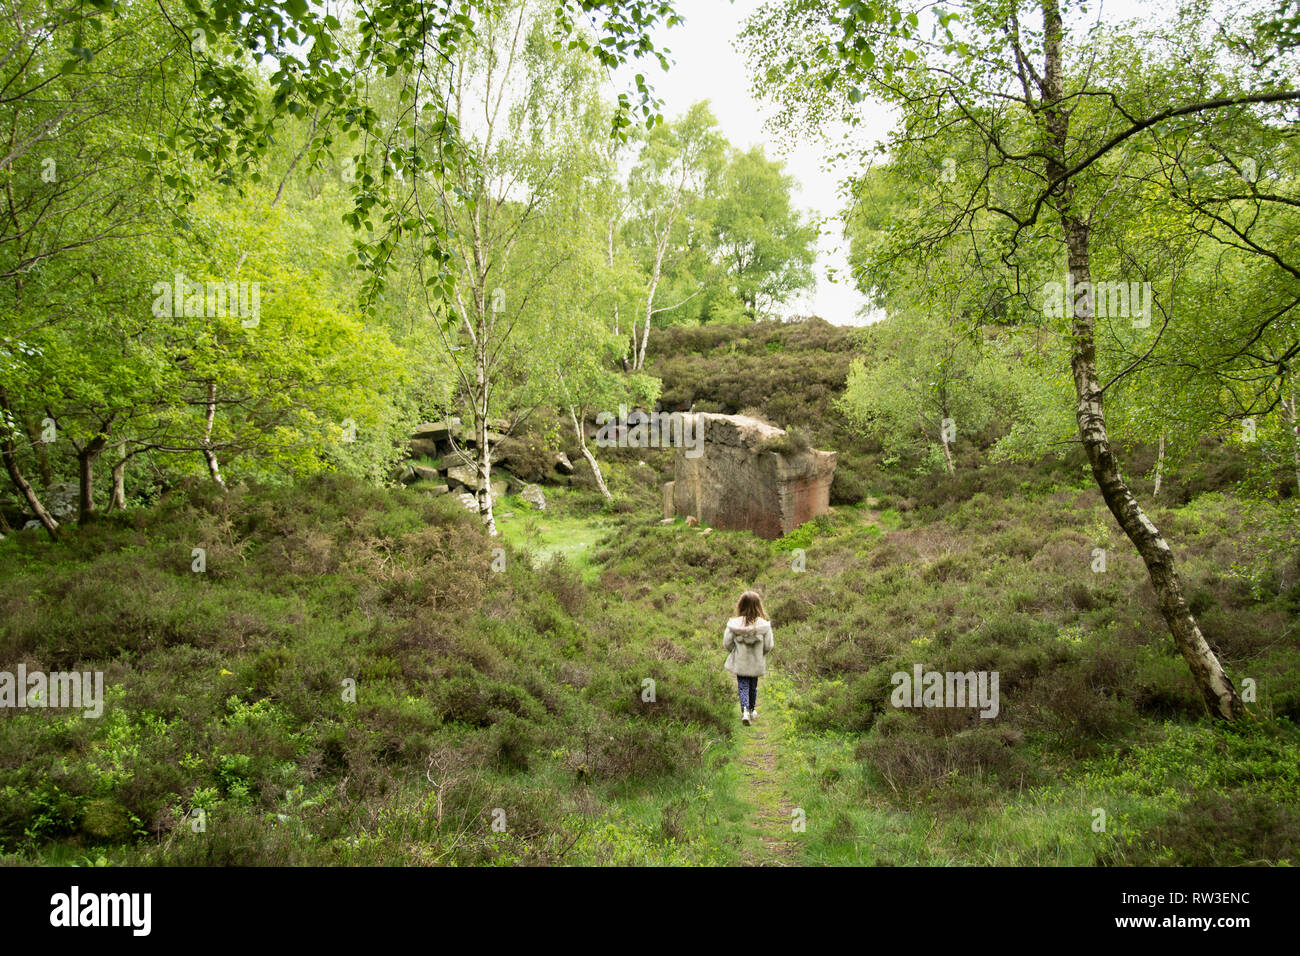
<point x="710" y="66"/>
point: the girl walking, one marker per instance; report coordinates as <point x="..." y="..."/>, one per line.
<point x="749" y="639"/>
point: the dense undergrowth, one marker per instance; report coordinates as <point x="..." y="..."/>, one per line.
<point x="504" y="716"/>
<point x="476" y="692"/>
<point x="1097" y="709"/>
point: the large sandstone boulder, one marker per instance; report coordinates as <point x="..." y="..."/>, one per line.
<point x="747" y="475"/>
<point x="437" y="431"/>
<point x="465" y="479"/>
<point x="463" y="476"/>
<point x="496" y="492"/>
<point x="423" y="448"/>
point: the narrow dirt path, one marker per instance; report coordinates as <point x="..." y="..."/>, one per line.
<point x="774" y="840"/>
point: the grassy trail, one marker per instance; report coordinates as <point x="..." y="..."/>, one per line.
<point x="763" y="760"/>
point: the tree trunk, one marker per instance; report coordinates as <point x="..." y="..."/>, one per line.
<point x="9" y="453"/>
<point x="86" y="458"/>
<point x="1293" y="419"/>
<point x="1218" y="691"/>
<point x="943" y="440"/>
<point x="626" y="366"/>
<point x="639" y="364"/>
<point x="609" y="261"/>
<point x="484" y="474"/>
<point x="587" y="454"/>
<point x="1160" y="466"/>
<point x="483" y="468"/>
<point x="46" y="519"/>
<point x="645" y="332"/>
<point x="661" y="249"/>
<point x="41" y="450"/>
<point x="117" y="501"/>
<point x="209" y="454"/>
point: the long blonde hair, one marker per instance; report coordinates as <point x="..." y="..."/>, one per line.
<point x="750" y="607"/>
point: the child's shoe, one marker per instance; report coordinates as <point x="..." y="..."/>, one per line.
<point x="753" y="714"/>
<point x="744" y="717"/>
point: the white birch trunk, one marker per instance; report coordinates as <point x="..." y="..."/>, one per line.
<point x="1216" y="688"/>
<point x="587" y="454"/>
<point x="209" y="454"/>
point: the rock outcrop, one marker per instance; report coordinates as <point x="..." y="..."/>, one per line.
<point x="750" y="476"/>
<point x="441" y="457"/>
<point x="534" y="495"/>
<point x="62" y="500"/>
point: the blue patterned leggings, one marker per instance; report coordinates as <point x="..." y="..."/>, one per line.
<point x="748" y="687"/>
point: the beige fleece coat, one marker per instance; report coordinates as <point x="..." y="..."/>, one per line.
<point x="749" y="645"/>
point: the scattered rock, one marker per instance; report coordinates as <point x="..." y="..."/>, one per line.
<point x="527" y="456"/>
<point x="61" y="500"/>
<point x="425" y="473"/>
<point x="707" y="531"/>
<point x="667" y="520"/>
<point x="534" y="496"/>
<point x="450" y="448"/>
<point x="437" y="432"/>
<point x="470" y="500"/>
<point x="463" y="476"/>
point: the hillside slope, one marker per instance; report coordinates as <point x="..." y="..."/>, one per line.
<point x="361" y="675"/>
<point x="229" y="734"/>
